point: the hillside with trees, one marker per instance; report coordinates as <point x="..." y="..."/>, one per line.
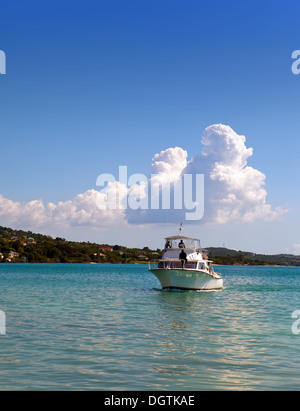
<point x="26" y="247"/>
<point x="18" y="246"/>
<point x="225" y="256"/>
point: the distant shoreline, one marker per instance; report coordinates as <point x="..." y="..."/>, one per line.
<point x="23" y="247"/>
<point x="144" y="263"/>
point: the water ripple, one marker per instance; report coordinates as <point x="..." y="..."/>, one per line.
<point x="110" y="327"/>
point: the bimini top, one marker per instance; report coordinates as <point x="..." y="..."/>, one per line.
<point x="181" y="237"/>
<point x="180" y="241"/>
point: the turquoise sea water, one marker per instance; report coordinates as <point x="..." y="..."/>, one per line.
<point x="110" y="327"/>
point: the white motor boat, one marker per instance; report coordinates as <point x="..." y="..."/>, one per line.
<point x="185" y="266"/>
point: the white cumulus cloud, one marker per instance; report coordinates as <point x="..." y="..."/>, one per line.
<point x="170" y="162"/>
<point x="234" y="191"/>
<point x="81" y="211"/>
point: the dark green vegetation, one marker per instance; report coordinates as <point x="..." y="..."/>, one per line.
<point x="20" y="246"/>
<point x="225" y="256"/>
<point x="24" y="246"/>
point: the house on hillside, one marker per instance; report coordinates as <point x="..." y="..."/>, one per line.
<point x="30" y="240"/>
<point x="106" y="248"/>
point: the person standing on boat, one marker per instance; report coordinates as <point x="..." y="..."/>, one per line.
<point x="183" y="258"/>
<point x="181" y="244"/>
<point x="168" y="245"/>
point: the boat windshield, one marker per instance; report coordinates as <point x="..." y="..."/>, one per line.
<point x="182" y="242"/>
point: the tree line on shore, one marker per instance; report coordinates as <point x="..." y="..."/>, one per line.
<point x="26" y="247"/>
<point x="18" y="246"/>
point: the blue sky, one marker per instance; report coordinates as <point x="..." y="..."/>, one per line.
<point x="97" y="84"/>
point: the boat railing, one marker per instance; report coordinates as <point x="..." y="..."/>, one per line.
<point x="170" y="264"/>
<point x="153" y="265"/>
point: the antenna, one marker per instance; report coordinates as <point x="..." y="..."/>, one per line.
<point x="180" y="229"/>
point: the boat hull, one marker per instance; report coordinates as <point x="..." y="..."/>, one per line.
<point x="183" y="279"/>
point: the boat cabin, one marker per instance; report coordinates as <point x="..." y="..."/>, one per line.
<point x="174" y="245"/>
<point x="190" y="265"/>
<point x="179" y="242"/>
